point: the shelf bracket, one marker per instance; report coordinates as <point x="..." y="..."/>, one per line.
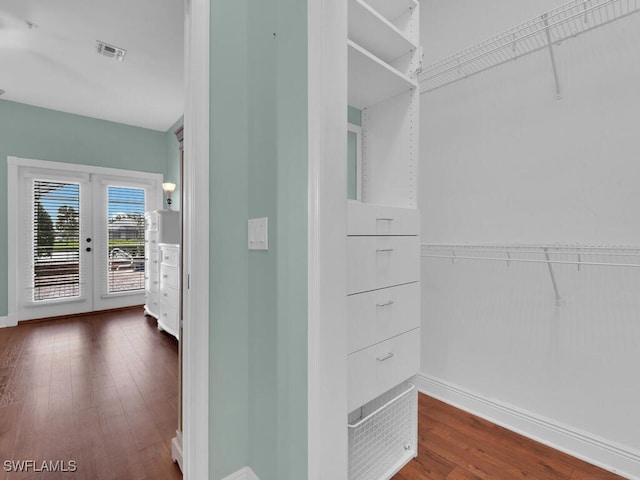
<point x="553" y="278"/>
<point x="545" y="19"/>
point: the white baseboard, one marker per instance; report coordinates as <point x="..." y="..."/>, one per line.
<point x="583" y="445"/>
<point x="9" y="321"/>
<point x="243" y="474"/>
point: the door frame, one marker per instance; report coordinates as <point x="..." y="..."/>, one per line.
<point x="13" y="176"/>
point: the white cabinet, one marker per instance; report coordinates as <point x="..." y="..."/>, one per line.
<point x="169" y="288"/>
<point x="383" y="247"/>
<point x="161" y="238"/>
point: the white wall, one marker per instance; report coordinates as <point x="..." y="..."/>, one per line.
<point x="503" y="161"/>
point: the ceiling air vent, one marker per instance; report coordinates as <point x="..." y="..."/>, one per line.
<point x="110" y="51"/>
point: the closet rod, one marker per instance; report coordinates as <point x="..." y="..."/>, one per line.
<point x="532" y="260"/>
<point x="552" y="27"/>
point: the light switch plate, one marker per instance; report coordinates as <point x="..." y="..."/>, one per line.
<point x="259" y="233"/>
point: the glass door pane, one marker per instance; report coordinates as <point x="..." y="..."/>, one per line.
<point x="125" y="245"/>
<point x="56" y="240"/>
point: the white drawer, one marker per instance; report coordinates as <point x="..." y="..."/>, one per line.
<point x="151" y="221"/>
<point x="170" y="255"/>
<point x="375" y="316"/>
<point x="151" y="282"/>
<point x="370" y="219"/>
<point x="168" y="319"/>
<point x="151" y="240"/>
<point x="152" y="265"/>
<point x="170" y="296"/>
<point x="152" y="304"/>
<point x="376" y="369"/>
<point x="379" y="262"/>
<point x="168" y="277"/>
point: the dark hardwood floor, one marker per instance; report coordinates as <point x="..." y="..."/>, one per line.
<point x="455" y="445"/>
<point x="100" y="391"/>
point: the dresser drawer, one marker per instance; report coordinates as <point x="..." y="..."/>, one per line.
<point x="375" y="316"/>
<point x="150" y="240"/>
<point x="152" y="304"/>
<point x="378" y="368"/>
<point x="168" y="277"/>
<point x="379" y="262"/>
<point x="168" y="319"/>
<point x="169" y="255"/>
<point x="369" y="219"/>
<point x="170" y="295"/>
<point x="151" y="282"/>
<point x="151" y="221"/>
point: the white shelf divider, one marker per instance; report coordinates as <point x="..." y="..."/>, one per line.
<point x="375" y="33"/>
<point x="372" y="80"/>
<point x="545" y="31"/>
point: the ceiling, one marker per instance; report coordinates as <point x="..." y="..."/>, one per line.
<point x="54" y="64"/>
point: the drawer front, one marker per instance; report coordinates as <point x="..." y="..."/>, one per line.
<point x="375" y="316"/>
<point x="379" y="262"/>
<point x="151" y="240"/>
<point x="376" y="369"/>
<point x="151" y="222"/>
<point x="170" y="296"/>
<point x="168" y="277"/>
<point x="168" y="318"/>
<point x="170" y="256"/>
<point x="152" y="302"/>
<point x="368" y="219"/>
<point x="152" y="265"/>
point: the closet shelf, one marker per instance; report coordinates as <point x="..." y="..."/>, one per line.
<point x="577" y="255"/>
<point x="371" y="80"/>
<point x="377" y="34"/>
<point x="393" y="10"/>
<point x="552" y="27"/>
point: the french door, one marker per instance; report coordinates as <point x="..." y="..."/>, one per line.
<point x="81" y="239"/>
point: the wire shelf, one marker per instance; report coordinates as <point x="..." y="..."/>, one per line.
<point x="552" y="27"/>
<point x="578" y="255"/>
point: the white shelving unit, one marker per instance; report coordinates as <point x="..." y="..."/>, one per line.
<point x="546" y="31"/>
<point x="383" y="278"/>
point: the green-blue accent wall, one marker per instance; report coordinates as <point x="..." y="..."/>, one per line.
<point x="258" y="299"/>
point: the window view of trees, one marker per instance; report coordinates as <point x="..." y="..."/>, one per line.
<point x="45" y="232"/>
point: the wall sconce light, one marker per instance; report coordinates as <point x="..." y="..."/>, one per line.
<point x="169" y="188"/>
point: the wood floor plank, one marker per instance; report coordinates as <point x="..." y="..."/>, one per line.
<point x="97" y="389"/>
<point x="460" y="446"/>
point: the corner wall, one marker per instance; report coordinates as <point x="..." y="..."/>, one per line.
<point x="504" y="162"/>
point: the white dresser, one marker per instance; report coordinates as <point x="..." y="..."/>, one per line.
<point x="162" y="237"/>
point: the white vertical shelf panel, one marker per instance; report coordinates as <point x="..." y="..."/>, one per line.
<point x="376" y="34"/>
<point x="372" y="80"/>
<point x="390" y="172"/>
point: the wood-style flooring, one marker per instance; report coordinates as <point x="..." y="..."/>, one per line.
<point x="100" y="390"/>
<point x="455" y="445"/>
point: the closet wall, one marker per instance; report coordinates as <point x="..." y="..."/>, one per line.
<point x="505" y="162"/>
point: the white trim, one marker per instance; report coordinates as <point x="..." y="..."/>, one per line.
<point x="618" y="459"/>
<point x="327" y="221"/>
<point x="196" y="243"/>
<point x="17" y="168"/>
<point x="357" y="130"/>
<point x="8" y="321"/>
<point x="149" y="177"/>
<point x="243" y="474"/>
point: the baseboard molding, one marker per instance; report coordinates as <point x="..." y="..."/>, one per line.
<point x="590" y="448"/>
<point x="243" y="474"/>
<point x="9" y="321"/>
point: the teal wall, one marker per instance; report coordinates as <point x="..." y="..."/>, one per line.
<point x="258" y="343"/>
<point x="42" y="134"/>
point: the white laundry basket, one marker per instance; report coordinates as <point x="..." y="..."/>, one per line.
<point x="383" y="434"/>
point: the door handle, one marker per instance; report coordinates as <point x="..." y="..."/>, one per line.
<point x="386" y="357"/>
<point x="88" y="249"/>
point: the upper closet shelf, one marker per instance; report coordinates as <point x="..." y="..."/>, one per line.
<point x="371" y="80"/>
<point x="377" y="34"/>
<point x="566" y="21"/>
<point x="393" y="9"/>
